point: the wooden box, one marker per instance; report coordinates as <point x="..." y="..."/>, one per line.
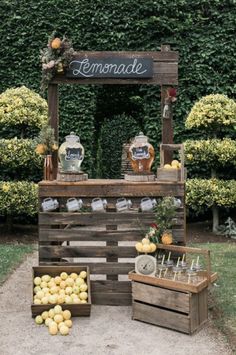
<point x="183" y="311"/>
<point x="82" y="309"/>
<point x="175" y="304"/>
<point x="171" y="174"/>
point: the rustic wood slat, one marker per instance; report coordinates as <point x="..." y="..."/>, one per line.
<point x="88" y="235"/>
<point x="93" y="218"/>
<point x="112" y="299"/>
<point x="110" y="286"/>
<point x="162" y="317"/>
<point x="110" y="188"/>
<point x="57" y="251"/>
<point x="178" y="301"/>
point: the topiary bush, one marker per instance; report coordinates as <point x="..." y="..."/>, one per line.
<point x="18" y="198"/>
<point x="18" y="160"/>
<point x="120" y="129"/>
<point x="22" y="113"/>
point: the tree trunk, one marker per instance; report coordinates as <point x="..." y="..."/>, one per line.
<point x="215" y="216"/>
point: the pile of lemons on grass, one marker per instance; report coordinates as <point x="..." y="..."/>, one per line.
<point x="61" y="289"/>
<point x="56" y="320"/>
<point x="175" y="164"/>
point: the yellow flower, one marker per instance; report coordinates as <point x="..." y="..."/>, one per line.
<point x="54" y="147"/>
<point x="5" y="187"/>
<point x="41" y="149"/>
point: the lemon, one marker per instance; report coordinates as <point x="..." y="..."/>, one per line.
<point x="62" y="292"/>
<point x="84" y="301"/>
<point x="69" y="282"/>
<point x="48" y="321"/>
<point x="68" y="323"/>
<point x="175" y="163"/>
<point x="60" y="299"/>
<point x="57" y="280"/>
<point x="146" y="248"/>
<point x="73" y="295"/>
<point x="76" y="289"/>
<point x="60" y="324"/>
<point x="83" y="295"/>
<point x="57" y="309"/>
<point x="52" y="299"/>
<point x="79" y="281"/>
<point x="83" y="274"/>
<point x="68" y="299"/>
<point x="44" y="315"/>
<point x="64" y="275"/>
<point x="40" y="295"/>
<point x="52" y="329"/>
<point x="58" y="318"/>
<point x="51" y="284"/>
<point x="38" y="320"/>
<point x="46" y="278"/>
<point x="152" y="247"/>
<point x="51" y="313"/>
<point x="54" y="290"/>
<point x="66" y="314"/>
<point x="139" y="247"/>
<point x="37" y="281"/>
<point x="167" y="166"/>
<point x="76" y="300"/>
<point x="62" y="284"/>
<point x="68" y="290"/>
<point x="73" y="275"/>
<point x="179" y="165"/>
<point x="64" y="330"/>
<point x="44" y="300"/>
<point x="37" y="289"/>
<point x="37" y="301"/>
<point x="83" y="288"/>
<point x="45" y="290"/>
<point x="145" y="241"/>
<point x="43" y="284"/>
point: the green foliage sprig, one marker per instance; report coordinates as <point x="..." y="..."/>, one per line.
<point x="55" y="58"/>
<point x="165" y="211"/>
<point x="46" y="143"/>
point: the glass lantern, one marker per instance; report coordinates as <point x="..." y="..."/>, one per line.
<point x="71" y="154"/>
<point x="141" y="154"/>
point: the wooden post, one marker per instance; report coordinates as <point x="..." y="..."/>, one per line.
<point x="53" y="119"/>
<point x="167" y="123"/>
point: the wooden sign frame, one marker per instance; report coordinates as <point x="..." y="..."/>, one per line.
<point x="165" y="74"/>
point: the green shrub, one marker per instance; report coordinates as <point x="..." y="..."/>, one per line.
<point x="120" y="129"/>
<point x="18" y="160"/>
<point x="201" y="193"/>
<point x="212" y="112"/>
<point x="22" y="112"/>
<point x="18" y="198"/>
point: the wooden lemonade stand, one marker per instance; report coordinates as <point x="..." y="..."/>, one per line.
<point x="104" y="234"/>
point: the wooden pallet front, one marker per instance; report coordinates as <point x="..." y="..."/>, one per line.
<point x="101" y="237"/>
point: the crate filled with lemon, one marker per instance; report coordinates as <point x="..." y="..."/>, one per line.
<point x="67" y="286"/>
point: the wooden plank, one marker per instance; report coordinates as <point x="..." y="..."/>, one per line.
<point x="162" y="317"/>
<point x="77" y="310"/>
<point x="112" y="299"/>
<point x="96" y="218"/>
<point x="182" y="249"/>
<point x="110" y="286"/>
<point x="109" y="188"/>
<point x="53" y="119"/>
<point x="113" y="243"/>
<point x="169" y="284"/>
<point x="178" y="301"/>
<point x="98" y="268"/>
<point x="93" y="235"/>
<point x="57" y="251"/>
<point x="203" y="306"/>
<point x="194" y="312"/>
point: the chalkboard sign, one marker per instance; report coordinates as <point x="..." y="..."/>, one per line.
<point x="111" y="67"/>
<point x="73" y="154"/>
<point x="139" y="153"/>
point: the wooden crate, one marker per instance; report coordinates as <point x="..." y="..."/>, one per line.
<point x="82" y="309"/>
<point x="112" y="230"/>
<point x="178" y="310"/>
<point x="171" y="174"/>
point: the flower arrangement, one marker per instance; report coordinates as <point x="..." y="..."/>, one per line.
<point x="55" y="58"/>
<point x="45" y="142"/>
<point x="160" y="232"/>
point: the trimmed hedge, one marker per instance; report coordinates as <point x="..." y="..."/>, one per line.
<point x="18" y="160"/>
<point x="18" y="198"/>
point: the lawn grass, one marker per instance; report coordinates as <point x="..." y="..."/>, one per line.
<point x="223" y="293"/>
<point x="10" y="256"/>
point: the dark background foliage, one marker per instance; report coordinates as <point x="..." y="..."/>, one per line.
<point x="203" y="31"/>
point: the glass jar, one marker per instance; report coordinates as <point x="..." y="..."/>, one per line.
<point x="71" y="154"/>
<point x="141" y="154"/>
